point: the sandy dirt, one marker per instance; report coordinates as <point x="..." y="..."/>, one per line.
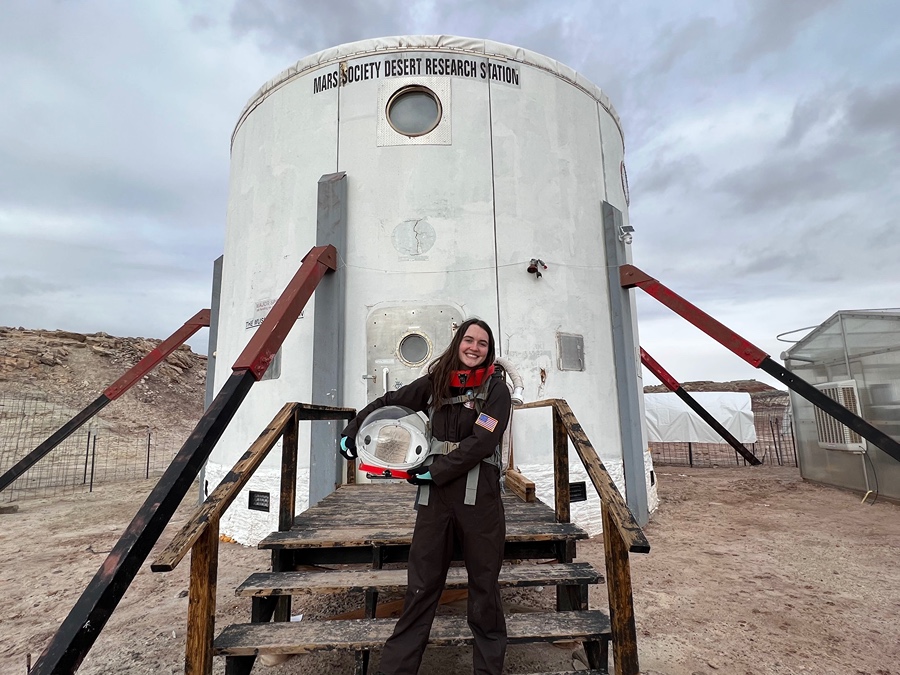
<point x="751" y="571"/>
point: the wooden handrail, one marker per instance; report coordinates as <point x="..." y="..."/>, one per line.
<point x="628" y="527"/>
<point x="621" y="533"/>
<point x="200" y="534"/>
<point x="226" y="492"/>
<point x="624" y="519"/>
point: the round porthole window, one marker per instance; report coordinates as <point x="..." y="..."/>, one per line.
<point x="415" y="349"/>
<point x="414" y="110"/>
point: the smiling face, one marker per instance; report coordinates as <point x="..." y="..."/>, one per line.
<point x="474" y="347"/>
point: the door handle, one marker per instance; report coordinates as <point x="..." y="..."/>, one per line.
<point x="385" y="374"/>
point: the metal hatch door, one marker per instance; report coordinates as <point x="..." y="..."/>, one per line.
<point x="402" y="339"/>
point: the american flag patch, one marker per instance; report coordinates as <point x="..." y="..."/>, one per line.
<point x="486" y="421"/>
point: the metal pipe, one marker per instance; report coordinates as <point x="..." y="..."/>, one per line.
<point x="87" y="454"/>
<point x="844" y="345"/>
<point x="93" y="463"/>
<point x="775" y="441"/>
<point x="794" y="442"/>
<point x="518" y="393"/>
<point x="147" y="472"/>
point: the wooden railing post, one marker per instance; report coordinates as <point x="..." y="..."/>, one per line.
<point x="201" y="622"/>
<point x="560" y="467"/>
<point x="288" y="496"/>
<point x="621" y="535"/>
<point x="200" y="534"/>
<point x="281" y="559"/>
<point x="621" y="606"/>
<point x="568" y="597"/>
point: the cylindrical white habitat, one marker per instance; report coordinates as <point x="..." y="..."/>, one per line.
<point x="465" y="159"/>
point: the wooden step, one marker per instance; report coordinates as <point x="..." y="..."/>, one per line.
<point x="393" y="580"/>
<point x="447" y="631"/>
<point x="382" y="515"/>
<point x="333" y="536"/>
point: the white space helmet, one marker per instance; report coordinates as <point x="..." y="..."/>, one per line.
<point x="391" y="441"/>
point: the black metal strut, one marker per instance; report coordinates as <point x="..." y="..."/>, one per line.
<point x="832" y="407"/>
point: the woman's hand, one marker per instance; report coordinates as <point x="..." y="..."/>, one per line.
<point x="419" y="476"/>
<point x="347" y="447"/>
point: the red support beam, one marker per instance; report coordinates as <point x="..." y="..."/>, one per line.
<point x="661" y="373"/>
<point x="80" y="629"/>
<point x="166" y="347"/>
<point x="673" y="384"/>
<point x="112" y="392"/>
<point x="631" y="277"/>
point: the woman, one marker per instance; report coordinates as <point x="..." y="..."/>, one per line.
<point x="469" y="409"/>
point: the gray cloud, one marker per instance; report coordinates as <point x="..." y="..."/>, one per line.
<point x="677" y="171"/>
<point x="781" y="180"/>
<point x="107" y="120"/>
<point x="23" y="286"/>
<point x="835" y="144"/>
<point x="773" y="25"/>
<point x="762" y="145"/>
<point x="298" y="29"/>
<point x="809" y="112"/>
<point x="134" y="285"/>
<point x="301" y="28"/>
<point x="872" y="110"/>
<point x="677" y="42"/>
<point x="84" y="185"/>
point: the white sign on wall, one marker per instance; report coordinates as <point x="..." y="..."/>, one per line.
<point x="417" y="64"/>
<point x="260" y="310"/>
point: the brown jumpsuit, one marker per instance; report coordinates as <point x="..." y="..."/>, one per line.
<point x="480" y="529"/>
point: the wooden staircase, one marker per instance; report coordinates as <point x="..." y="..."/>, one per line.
<point x="361" y="534"/>
<point x="343" y="530"/>
<point x="241" y="643"/>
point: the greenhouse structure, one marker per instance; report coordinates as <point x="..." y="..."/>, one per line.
<point x="854" y="358"/>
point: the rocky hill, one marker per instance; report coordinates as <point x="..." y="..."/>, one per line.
<point x="749" y="386"/>
<point x="761" y="393"/>
<point x="72" y="369"/>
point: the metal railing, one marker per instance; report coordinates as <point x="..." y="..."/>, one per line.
<point x="81" y="627"/>
<point x="98" y="453"/>
<point x="632" y="277"/>
<point x="111" y="393"/>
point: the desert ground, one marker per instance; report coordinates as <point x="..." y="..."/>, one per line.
<point x="752" y="571"/>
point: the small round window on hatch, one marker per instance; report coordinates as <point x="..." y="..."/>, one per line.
<point x="415" y="349"/>
<point x="414" y="110"/>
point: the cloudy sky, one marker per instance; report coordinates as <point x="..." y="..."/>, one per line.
<point x="762" y="145"/>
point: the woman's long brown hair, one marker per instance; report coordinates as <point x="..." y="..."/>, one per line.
<point x="447" y="362"/>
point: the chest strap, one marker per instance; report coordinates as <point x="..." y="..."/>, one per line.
<point x="445" y="448"/>
<point x="479" y="397"/>
<point x="437" y="448"/>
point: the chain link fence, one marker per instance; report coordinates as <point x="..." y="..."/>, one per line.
<point x="93" y="455"/>
<point x="775" y="444"/>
